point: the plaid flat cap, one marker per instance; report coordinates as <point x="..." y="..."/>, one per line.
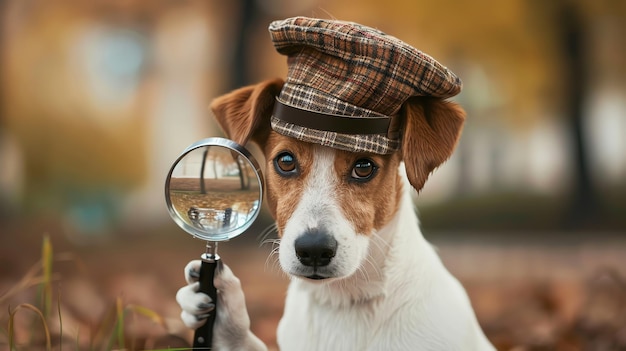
<point x="347" y="82"/>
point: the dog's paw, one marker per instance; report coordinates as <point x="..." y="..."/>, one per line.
<point x="232" y="314"/>
<point x="195" y="305"/>
<point x="231" y="330"/>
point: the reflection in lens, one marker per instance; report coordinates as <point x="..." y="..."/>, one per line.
<point x="215" y="190"/>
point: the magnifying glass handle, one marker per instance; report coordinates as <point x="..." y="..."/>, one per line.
<point x="203" y="337"/>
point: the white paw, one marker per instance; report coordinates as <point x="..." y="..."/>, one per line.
<point x="232" y="323"/>
<point x="195" y="305"/>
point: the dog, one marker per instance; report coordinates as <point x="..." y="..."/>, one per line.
<point x="362" y="275"/>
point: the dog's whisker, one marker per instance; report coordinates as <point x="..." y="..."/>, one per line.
<point x="265" y="238"/>
<point x="382" y="247"/>
<point x="375" y="263"/>
<point x="363" y="272"/>
<point x="381" y="244"/>
<point x="272" y="259"/>
<point x="277" y="263"/>
<point x="265" y="234"/>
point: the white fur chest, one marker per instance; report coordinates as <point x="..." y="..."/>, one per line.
<point x="309" y="326"/>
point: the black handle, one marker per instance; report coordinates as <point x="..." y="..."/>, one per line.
<point x="203" y="337"/>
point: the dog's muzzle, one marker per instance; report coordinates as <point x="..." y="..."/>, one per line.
<point x="315" y="248"/>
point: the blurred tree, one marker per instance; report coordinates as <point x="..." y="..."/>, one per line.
<point x="3" y="14"/>
<point x="576" y="73"/>
<point x="4" y="196"/>
<point x="569" y="24"/>
<point x="248" y="15"/>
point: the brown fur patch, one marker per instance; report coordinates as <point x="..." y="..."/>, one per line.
<point x="369" y="205"/>
<point x="283" y="194"/>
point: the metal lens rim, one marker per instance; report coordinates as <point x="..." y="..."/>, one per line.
<point x="195" y="232"/>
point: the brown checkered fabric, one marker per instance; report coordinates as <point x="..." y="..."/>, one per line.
<point x="347" y="69"/>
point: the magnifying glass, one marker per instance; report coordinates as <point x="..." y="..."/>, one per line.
<point x="213" y="191"/>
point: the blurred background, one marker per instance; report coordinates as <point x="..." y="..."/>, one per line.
<point x="98" y="98"/>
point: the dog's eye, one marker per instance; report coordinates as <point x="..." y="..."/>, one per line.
<point x="285" y="163"/>
<point x="363" y="170"/>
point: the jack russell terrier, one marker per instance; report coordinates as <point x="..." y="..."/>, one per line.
<point x="360" y="120"/>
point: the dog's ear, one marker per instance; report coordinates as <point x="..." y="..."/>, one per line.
<point x="431" y="131"/>
<point x="244" y="113"/>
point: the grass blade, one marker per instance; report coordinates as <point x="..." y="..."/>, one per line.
<point x="45" y="289"/>
<point x="120" y="324"/>
<point x="60" y="320"/>
<point x="146" y="312"/>
<point x="41" y="316"/>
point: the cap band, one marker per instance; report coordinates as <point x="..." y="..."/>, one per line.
<point x="351" y="125"/>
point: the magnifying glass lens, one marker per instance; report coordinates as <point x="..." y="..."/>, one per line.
<point x="214" y="190"/>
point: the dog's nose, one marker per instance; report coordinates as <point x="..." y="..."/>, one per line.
<point x="315" y="248"/>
